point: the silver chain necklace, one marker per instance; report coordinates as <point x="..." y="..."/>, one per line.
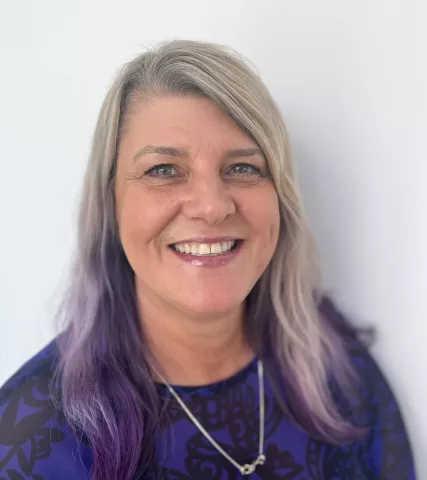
<point x="247" y="468"/>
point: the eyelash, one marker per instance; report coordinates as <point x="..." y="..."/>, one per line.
<point x="256" y="170"/>
<point x="151" y="171"/>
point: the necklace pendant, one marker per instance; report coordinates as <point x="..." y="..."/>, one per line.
<point x="249" y="468"/>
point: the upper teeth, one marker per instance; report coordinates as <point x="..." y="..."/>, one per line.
<point x="205" y="248"/>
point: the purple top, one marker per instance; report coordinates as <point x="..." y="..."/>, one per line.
<point x="36" y="443"/>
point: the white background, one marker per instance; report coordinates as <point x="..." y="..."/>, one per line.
<point x="350" y="77"/>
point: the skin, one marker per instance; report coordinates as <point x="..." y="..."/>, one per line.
<point x="192" y="317"/>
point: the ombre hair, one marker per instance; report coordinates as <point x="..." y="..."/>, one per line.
<point x="106" y="389"/>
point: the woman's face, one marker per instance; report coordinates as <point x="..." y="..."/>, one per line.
<point x="198" y="215"/>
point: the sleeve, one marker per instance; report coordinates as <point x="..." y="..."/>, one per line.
<point x="387" y="449"/>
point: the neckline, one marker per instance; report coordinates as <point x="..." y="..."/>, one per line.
<point x="215" y="387"/>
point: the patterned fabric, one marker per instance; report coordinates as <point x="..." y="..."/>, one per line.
<point x="36" y="443"/>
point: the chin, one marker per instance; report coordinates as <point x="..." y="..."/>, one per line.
<point x="215" y="306"/>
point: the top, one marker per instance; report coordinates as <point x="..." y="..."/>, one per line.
<point x="36" y="442"/>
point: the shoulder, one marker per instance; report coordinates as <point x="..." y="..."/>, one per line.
<point x="376" y="393"/>
<point x="369" y="394"/>
<point x="39" y="368"/>
<point x="29" y="422"/>
<point x="388" y="444"/>
<point x="369" y="402"/>
<point x="356" y="342"/>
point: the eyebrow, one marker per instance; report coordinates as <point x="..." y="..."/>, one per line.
<point x="176" y="152"/>
<point x="156" y="150"/>
<point x="244" y="152"/>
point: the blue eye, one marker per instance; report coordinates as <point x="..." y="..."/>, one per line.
<point x="164" y="170"/>
<point x="244" y="170"/>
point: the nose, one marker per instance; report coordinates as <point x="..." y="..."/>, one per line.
<point x="209" y="200"/>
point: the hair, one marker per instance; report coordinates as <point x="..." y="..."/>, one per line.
<point x="106" y="389"/>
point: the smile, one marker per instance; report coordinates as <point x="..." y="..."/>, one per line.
<point x="206" y="249"/>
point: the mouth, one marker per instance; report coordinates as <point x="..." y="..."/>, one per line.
<point x="206" y="249"/>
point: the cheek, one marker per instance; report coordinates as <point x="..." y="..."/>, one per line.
<point x="139" y="223"/>
<point x="262" y="212"/>
<point x="271" y="229"/>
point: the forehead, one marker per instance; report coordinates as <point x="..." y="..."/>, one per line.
<point x="185" y="121"/>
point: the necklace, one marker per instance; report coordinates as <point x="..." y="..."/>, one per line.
<point x="247" y="468"/>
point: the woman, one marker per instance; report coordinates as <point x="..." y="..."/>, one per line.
<point x="196" y="342"/>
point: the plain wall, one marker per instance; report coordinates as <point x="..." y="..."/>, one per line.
<point x="350" y="78"/>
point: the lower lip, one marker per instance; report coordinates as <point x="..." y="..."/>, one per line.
<point x="214" y="261"/>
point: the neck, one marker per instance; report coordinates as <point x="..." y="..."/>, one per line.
<point x="191" y="349"/>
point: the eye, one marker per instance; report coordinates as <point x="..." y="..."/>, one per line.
<point x="163" y="170"/>
<point x="243" y="172"/>
<point x="244" y="169"/>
